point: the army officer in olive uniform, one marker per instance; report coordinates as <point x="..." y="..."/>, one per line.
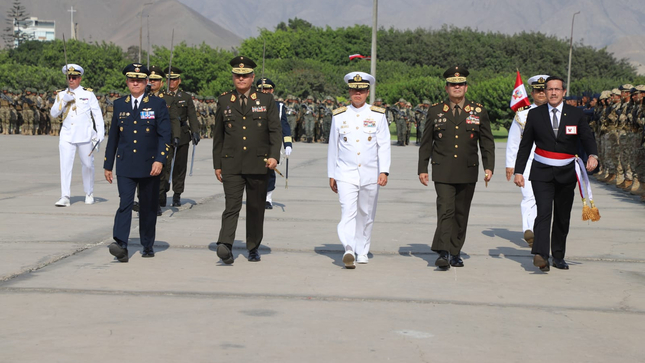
<point x="138" y="140"/>
<point x="453" y="130"/>
<point x="246" y="144"/>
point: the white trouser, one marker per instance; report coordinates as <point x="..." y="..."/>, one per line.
<point x="528" y="206"/>
<point x="358" y="209"/>
<point x="67" y="154"/>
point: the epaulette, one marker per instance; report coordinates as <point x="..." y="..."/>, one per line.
<point x="60" y="90"/>
<point x="434" y="104"/>
<point x="377" y="109"/>
<point x="339" y="110"/>
<point x="479" y="104"/>
<point x="225" y="93"/>
<point x="88" y="89"/>
<point x="523" y="108"/>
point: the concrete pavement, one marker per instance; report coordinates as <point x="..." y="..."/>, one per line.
<point x="65" y="299"/>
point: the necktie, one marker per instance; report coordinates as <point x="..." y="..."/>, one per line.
<point x="456" y="110"/>
<point x="242" y="100"/>
<point x="555" y="121"/>
<point x="136" y="106"/>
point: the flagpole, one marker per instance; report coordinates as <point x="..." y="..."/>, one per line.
<point x="570" y="51"/>
<point x="373" y="65"/>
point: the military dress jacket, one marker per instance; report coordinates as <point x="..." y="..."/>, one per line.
<point x="451" y="143"/>
<point x="244" y="136"/>
<point x="175" y="126"/>
<point x="78" y="126"/>
<point x="359" y="145"/>
<point x="573" y="127"/>
<point x="137" y="140"/>
<point x="185" y="110"/>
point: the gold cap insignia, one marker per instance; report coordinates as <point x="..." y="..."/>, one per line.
<point x="358" y="78"/>
<point x="241" y="65"/>
<point x="137" y="69"/>
<point x="457" y="74"/>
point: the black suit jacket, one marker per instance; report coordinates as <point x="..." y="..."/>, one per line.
<point x="136" y="140"/>
<point x="539" y="129"/>
<point x="244" y="136"/>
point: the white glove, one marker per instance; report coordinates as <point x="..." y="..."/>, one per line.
<point x="287" y="150"/>
<point x="68" y="97"/>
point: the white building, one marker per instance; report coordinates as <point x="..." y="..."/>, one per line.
<point x="42" y="30"/>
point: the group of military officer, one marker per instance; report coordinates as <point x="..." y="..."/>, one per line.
<point x="27" y="112"/>
<point x="618" y="120"/>
<point x="310" y="120"/>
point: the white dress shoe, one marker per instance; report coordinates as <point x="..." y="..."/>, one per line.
<point x="89" y="199"/>
<point x="348" y="260"/>
<point x="63" y="202"/>
<point x="362" y="259"/>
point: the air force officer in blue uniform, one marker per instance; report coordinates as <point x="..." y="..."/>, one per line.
<point x="139" y="140"/>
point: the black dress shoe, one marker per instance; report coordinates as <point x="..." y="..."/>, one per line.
<point x="176" y="200"/>
<point x="541" y="262"/>
<point x="162" y="200"/>
<point x="148" y="252"/>
<point x="121" y="253"/>
<point x="159" y="213"/>
<point x="560" y="263"/>
<point x="268" y="205"/>
<point x="224" y="252"/>
<point x="456" y="261"/>
<point x="254" y="255"/>
<point x="442" y="260"/>
<point x="135" y="207"/>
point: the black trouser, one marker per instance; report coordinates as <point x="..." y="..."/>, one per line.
<point x="148" y="202"/>
<point x="256" y="193"/>
<point x="552" y="199"/>
<point x="181" y="165"/>
<point x="453" y="208"/>
<point x="271" y="183"/>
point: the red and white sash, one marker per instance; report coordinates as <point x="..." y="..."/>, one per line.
<point x="552" y="158"/>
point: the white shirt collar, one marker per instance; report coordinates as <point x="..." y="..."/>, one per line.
<point x="138" y="99"/>
<point x="559" y="108"/>
<point x="359" y="109"/>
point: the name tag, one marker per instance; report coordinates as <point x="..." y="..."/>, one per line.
<point x="259" y="109"/>
<point x="571" y="130"/>
<point x="147" y="115"/>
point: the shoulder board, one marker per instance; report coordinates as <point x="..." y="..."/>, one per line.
<point x="88" y="89"/>
<point x="225" y="93"/>
<point x="523" y="108"/>
<point x="377" y="109"/>
<point x="339" y="110"/>
<point x="479" y="104"/>
<point x="60" y="90"/>
<point x="434" y="104"/>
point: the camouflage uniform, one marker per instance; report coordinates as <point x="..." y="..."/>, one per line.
<point x="309" y="116"/>
<point x="292" y="114"/>
<point x="420" y="114"/>
<point x="401" y="117"/>
<point x="326" y="115"/>
<point x="623" y="168"/>
<point x="109" y="109"/>
<point x="6" y="114"/>
<point x="610" y="138"/>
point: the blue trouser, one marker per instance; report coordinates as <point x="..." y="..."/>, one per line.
<point x="148" y="203"/>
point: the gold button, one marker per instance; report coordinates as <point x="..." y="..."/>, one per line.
<point x="358" y="115"/>
<point x="357" y="140"/>
<point x="245" y="148"/>
<point x="456" y="146"/>
<point x="135" y="122"/>
<point x="244" y="127"/>
<point x="135" y="141"/>
<point x="135" y="131"/>
<point x="359" y="165"/>
<point x="455" y="155"/>
<point x="135" y="150"/>
<point x="243" y="118"/>
<point x="456" y="127"/>
<point x="456" y="136"/>
<point x="244" y="138"/>
<point x="359" y="153"/>
<point x="356" y="127"/>
<point x="163" y="153"/>
<point x="104" y="158"/>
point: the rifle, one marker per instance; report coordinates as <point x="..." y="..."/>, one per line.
<point x="7" y="98"/>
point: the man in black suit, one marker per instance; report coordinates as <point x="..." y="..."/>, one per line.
<point x="246" y="146"/>
<point x="139" y="140"/>
<point x="556" y="129"/>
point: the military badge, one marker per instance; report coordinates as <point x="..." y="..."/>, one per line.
<point x="241" y="65"/>
<point x="145" y="99"/>
<point x="257" y="102"/>
<point x="254" y="96"/>
<point x="137" y="69"/>
<point x="446" y="108"/>
<point x="478" y="109"/>
<point x="440" y="115"/>
<point x="233" y="98"/>
<point x="467" y="108"/>
<point x="369" y="138"/>
<point x="259" y="109"/>
<point x="127" y="99"/>
<point x="439" y="135"/>
<point x="345" y="138"/>
<point x="369" y="123"/>
<point x="358" y="78"/>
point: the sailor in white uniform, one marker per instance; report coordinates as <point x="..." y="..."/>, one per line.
<point x="358" y="162"/>
<point x="528" y="206"/>
<point x="82" y="130"/>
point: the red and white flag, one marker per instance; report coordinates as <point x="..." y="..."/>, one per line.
<point x="358" y="56"/>
<point x="519" y="98"/>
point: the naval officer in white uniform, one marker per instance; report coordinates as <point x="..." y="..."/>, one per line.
<point x="358" y="162"/>
<point x="528" y="206"/>
<point x="81" y="130"/>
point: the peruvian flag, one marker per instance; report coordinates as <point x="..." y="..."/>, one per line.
<point x="519" y="98"/>
<point x="358" y="56"/>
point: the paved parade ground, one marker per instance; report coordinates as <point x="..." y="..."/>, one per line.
<point x="64" y="298"/>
